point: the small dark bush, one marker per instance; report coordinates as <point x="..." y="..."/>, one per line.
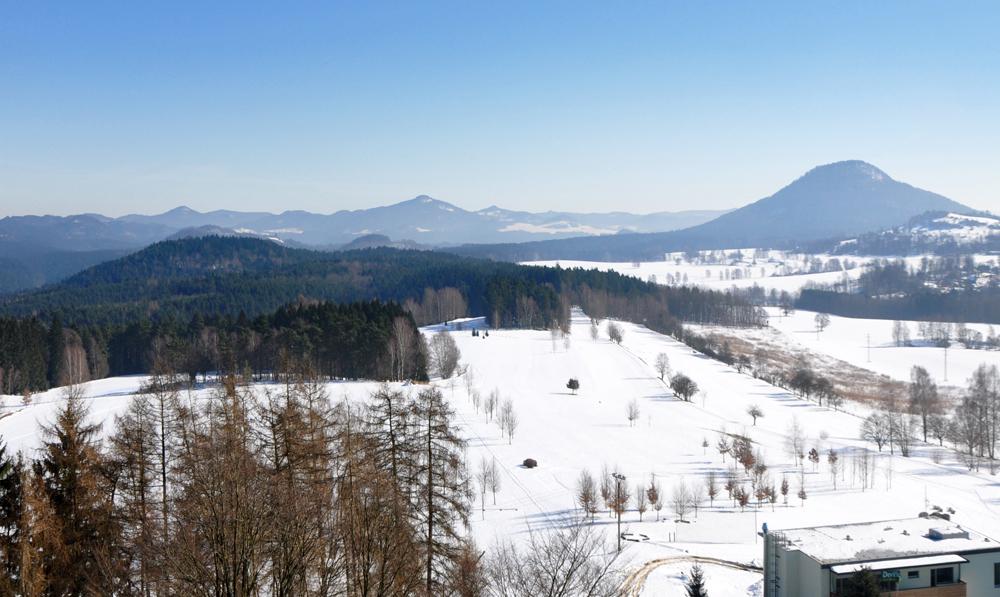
<point x="530" y="463"/>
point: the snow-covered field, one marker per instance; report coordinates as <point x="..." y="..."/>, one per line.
<point x="567" y="433"/>
<point x="770" y="270"/>
<point x="848" y="339"/>
<point x="773" y="272"/>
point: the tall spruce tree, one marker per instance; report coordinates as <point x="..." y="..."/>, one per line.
<point x="76" y="486"/>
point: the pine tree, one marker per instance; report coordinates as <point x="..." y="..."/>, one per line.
<point x="11" y="503"/>
<point x="696" y="583"/>
<point x="76" y="485"/>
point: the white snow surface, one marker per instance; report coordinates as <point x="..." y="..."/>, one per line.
<point x="777" y="270"/>
<point x="848" y="338"/>
<point x="567" y="433"/>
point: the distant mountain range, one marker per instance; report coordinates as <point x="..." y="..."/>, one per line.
<point x="70" y="243"/>
<point x="831" y="201"/>
<point x="423" y="220"/>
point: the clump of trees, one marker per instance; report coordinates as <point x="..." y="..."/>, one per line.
<point x="438" y="306"/>
<point x="243" y="492"/>
<point x="683" y="386"/>
<point x="444" y="354"/>
<point x="615" y="332"/>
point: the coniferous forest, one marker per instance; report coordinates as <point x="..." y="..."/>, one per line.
<point x="173" y="306"/>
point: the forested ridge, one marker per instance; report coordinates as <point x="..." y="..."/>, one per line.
<point x="215" y="275"/>
<point x="228" y="304"/>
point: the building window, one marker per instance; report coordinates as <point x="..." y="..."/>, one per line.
<point x="942" y="576"/>
<point x="996" y="574"/>
<point x="916" y="573"/>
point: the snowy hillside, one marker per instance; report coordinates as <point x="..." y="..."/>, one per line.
<point x="848" y="339"/>
<point x="733" y="268"/>
<point x="962" y="229"/>
<point x="934" y="232"/>
<point x="568" y="433"/>
<point x="779" y="271"/>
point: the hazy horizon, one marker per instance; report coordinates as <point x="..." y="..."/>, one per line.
<point x="562" y="107"/>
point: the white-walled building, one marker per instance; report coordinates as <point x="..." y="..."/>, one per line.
<point x="917" y="557"/>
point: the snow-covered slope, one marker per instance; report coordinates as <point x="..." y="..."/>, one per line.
<point x="962" y="229"/>
<point x="775" y="270"/>
<point x="848" y="339"/>
<point x="567" y="433"/>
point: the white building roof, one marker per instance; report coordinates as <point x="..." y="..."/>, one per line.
<point x="901" y="563"/>
<point x="884" y="540"/>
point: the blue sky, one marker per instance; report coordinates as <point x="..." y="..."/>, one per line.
<point x="640" y="106"/>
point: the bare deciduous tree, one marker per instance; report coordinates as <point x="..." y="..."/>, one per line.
<point x="662" y="365"/>
<point x="641" y="500"/>
<point x="571" y="561"/>
<point x="680" y="499"/>
<point x="923" y="396"/>
<point x="508" y="420"/>
<point x="444" y="354"/>
<point x="586" y="494"/>
<point x="711" y="487"/>
<point x="875" y="429"/>
<point x="632" y="412"/>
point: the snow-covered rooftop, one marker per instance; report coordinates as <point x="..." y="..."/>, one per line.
<point x="901" y="563"/>
<point x="885" y="540"/>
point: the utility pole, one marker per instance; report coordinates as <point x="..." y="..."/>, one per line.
<point x="946" y="362"/>
<point x="619" y="479"/>
<point x="755" y="525"/>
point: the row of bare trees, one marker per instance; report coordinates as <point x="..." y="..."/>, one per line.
<point x="438" y="306"/>
<point x="972" y="426"/>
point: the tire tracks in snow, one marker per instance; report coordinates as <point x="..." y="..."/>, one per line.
<point x="635" y="582"/>
<point x="510" y="475"/>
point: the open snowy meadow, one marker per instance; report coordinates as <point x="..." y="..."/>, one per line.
<point x="568" y="433"/>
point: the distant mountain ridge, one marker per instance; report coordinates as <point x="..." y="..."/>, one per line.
<point x="833" y="201"/>
<point x="421" y="222"/>
<point x="830" y="201"/>
<point x="423" y="219"/>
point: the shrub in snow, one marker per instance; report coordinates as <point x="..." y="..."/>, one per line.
<point x="530" y="463"/>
